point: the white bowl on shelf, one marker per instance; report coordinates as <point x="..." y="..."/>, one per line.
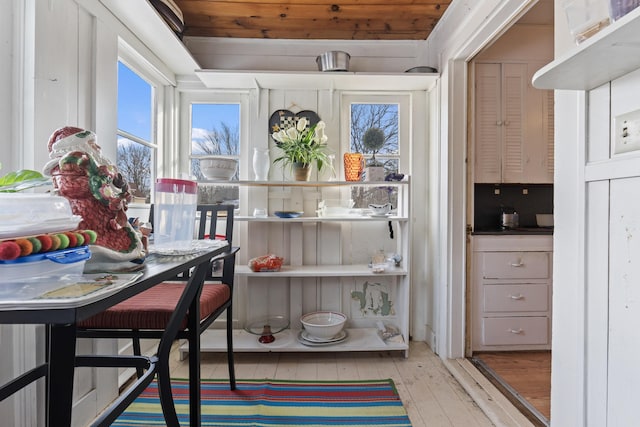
<point x="218" y="167"/>
<point x="544" y="220"/>
<point x="335" y="207"/>
<point x="323" y="324"/>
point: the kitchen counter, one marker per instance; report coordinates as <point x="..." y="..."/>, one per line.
<point x="513" y="231"/>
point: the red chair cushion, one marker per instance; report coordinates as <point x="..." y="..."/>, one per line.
<point x="153" y="308"/>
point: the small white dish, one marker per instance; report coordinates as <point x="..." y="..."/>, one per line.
<point x="374" y="215"/>
<point x="260" y="213"/>
<point x="306" y="336"/>
<point x="308" y="343"/>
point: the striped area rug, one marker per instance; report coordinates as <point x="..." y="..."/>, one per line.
<point x="278" y="403"/>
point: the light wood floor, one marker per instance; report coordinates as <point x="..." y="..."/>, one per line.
<point x="430" y="394"/>
<point x="528" y="373"/>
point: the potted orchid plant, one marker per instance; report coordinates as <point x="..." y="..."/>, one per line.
<point x="301" y="147"/>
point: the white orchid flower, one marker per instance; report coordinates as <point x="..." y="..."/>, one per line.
<point x="302" y="124"/>
<point x="292" y="133"/>
<point x="319" y="130"/>
<point x="324" y="139"/>
<point x="281" y="136"/>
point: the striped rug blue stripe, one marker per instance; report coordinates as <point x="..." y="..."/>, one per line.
<point x="272" y="403"/>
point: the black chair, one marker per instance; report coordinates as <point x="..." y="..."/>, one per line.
<point x="145" y="315"/>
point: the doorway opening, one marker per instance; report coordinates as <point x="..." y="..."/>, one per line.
<point x="510" y="148"/>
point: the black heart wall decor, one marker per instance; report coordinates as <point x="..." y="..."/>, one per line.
<point x="284" y="119"/>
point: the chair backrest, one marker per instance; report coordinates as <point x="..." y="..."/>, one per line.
<point x="212" y="214"/>
<point x="210" y="217"/>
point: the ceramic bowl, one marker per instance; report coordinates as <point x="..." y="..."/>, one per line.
<point x="380" y="209"/>
<point x="544" y="220"/>
<point x="218" y="167"/>
<point x="335" y="207"/>
<point x="323" y="324"/>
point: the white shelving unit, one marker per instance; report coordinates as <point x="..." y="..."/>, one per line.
<point x="609" y="54"/>
<point x="322" y="270"/>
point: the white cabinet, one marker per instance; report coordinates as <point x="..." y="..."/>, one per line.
<point x="513" y="125"/>
<point x="326" y="265"/>
<point x="511" y="292"/>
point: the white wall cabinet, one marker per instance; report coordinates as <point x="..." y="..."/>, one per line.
<point x="513" y="125"/>
<point x="326" y="266"/>
<point x="511" y="292"/>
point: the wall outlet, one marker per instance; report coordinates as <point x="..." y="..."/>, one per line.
<point x="627" y="132"/>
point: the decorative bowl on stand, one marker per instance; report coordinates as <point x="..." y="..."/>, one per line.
<point x="266" y="328"/>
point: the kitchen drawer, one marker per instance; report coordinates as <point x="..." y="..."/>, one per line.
<point x="515" y="330"/>
<point x="519" y="298"/>
<point x="515" y="265"/>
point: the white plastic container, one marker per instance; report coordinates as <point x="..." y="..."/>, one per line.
<point x="174" y="214"/>
<point x="28" y="214"/>
<point x="586" y="17"/>
<point x="46" y="264"/>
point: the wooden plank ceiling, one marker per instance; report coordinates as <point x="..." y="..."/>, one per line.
<point x="312" y="19"/>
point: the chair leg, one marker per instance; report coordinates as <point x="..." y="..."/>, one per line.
<point x="137" y="352"/>
<point x="195" y="408"/>
<point x="232" y="371"/>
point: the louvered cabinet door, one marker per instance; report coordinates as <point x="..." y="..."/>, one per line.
<point x="538" y="132"/>
<point x="513" y="125"/>
<point x="514" y="86"/>
<point x="488" y="123"/>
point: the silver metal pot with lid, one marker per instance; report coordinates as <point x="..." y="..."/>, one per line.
<point x="334" y="60"/>
<point x="509" y="218"/>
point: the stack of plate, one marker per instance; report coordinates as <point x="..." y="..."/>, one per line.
<point x="309" y="340"/>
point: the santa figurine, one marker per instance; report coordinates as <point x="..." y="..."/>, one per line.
<point x="98" y="193"/>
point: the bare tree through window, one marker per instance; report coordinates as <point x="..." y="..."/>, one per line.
<point x="214" y="131"/>
<point x="134" y="163"/>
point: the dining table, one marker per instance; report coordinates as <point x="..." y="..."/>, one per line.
<point x="60" y="303"/>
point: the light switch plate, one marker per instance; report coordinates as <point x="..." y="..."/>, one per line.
<point x="627" y="132"/>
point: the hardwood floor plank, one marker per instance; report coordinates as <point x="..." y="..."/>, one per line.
<point x="429" y="393"/>
<point x="527" y="372"/>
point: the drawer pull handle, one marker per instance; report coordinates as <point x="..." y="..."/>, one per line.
<point x="516" y="297"/>
<point x="517" y="264"/>
<point x="517" y="332"/>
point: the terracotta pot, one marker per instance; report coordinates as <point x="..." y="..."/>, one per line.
<point x="301" y="171"/>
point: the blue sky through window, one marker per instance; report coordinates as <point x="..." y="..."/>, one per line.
<point x="134" y="103"/>
<point x="208" y="117"/>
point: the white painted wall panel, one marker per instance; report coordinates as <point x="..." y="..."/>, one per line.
<point x="624" y="303"/>
<point x="596" y="302"/>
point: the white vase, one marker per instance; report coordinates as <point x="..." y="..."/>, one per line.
<point x="261" y="163"/>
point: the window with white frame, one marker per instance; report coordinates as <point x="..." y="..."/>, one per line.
<point x="137" y="148"/>
<point x="378" y="126"/>
<point x="213" y="130"/>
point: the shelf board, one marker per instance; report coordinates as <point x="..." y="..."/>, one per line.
<point x="611" y="53"/>
<point x="245" y="183"/>
<point x="246" y="79"/>
<point x="334" y="270"/>
<point x="359" y="339"/>
<point x="360" y="218"/>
